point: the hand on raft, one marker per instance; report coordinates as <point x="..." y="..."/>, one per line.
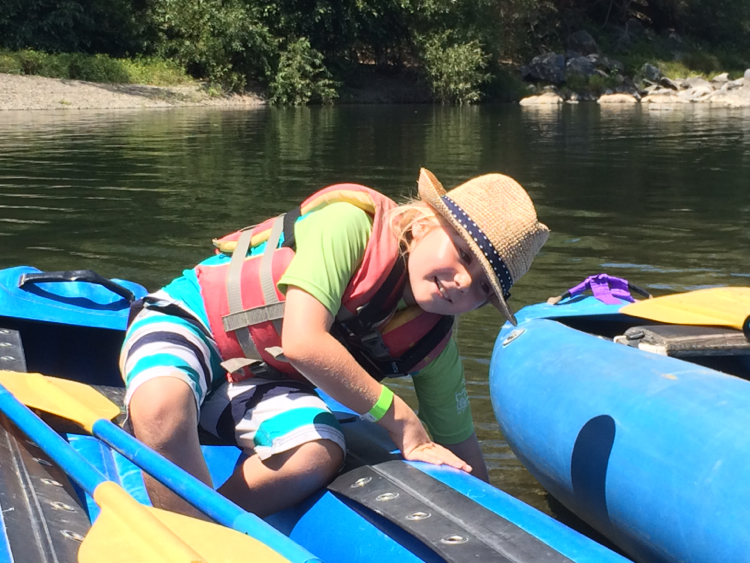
<point x="407" y="432"/>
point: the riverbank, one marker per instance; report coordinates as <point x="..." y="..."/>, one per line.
<point x="19" y="92"/>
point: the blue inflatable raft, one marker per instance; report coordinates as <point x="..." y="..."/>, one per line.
<point x="70" y="325"/>
<point x="638" y="427"/>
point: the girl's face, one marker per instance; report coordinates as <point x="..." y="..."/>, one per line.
<point x="444" y="275"/>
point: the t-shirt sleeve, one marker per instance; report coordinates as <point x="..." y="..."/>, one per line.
<point x="443" y="400"/>
<point x="330" y="243"/>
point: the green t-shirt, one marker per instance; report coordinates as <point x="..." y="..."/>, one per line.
<point x="330" y="245"/>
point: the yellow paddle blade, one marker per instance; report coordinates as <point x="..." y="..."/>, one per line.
<point x="128" y="532"/>
<point x="68" y="399"/>
<point x="721" y="306"/>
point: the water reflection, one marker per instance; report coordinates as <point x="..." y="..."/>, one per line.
<point x="659" y="197"/>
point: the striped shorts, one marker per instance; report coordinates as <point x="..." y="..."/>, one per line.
<point x="261" y="416"/>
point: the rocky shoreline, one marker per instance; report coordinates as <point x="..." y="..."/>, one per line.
<point x="719" y="92"/>
<point x="568" y="77"/>
<point x="40" y="93"/>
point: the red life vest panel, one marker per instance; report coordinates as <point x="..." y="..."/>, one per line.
<point x="245" y="309"/>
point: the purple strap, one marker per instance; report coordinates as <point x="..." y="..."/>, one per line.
<point x="607" y="289"/>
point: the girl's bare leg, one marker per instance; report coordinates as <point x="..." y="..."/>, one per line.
<point x="285" y="479"/>
<point x="165" y="418"/>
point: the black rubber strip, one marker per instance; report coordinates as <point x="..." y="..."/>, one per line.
<point x="371" y="471"/>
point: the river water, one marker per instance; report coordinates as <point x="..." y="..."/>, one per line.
<point x="659" y="197"/>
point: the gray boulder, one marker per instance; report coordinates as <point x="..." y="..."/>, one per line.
<point x="651" y="73"/>
<point x="582" y="42"/>
<point x="746" y="80"/>
<point x="549" y="67"/>
<point x="580" y="65"/>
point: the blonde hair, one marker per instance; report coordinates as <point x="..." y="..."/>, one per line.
<point x="403" y="217"/>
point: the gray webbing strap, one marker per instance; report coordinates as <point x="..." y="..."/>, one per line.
<point x="233" y="365"/>
<point x="254" y="316"/>
<point x="234" y="293"/>
<point x="266" y="272"/>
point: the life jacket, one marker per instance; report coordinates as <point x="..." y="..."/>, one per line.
<point x="245" y="309"/>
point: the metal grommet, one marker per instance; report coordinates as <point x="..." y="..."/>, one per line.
<point x="69" y="535"/>
<point x="41" y="461"/>
<point x="513" y="335"/>
<point x="57" y="505"/>
<point x="360" y="482"/>
<point x="418" y="516"/>
<point x="455" y="539"/>
<point x="385" y="497"/>
<point x="48" y="481"/>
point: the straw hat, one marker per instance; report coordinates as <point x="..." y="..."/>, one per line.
<point x="496" y="217"/>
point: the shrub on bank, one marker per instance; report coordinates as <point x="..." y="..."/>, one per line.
<point x="455" y="72"/>
<point x="302" y="77"/>
<point x="94" y="68"/>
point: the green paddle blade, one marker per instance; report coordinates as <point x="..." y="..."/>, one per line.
<point x="721" y="306"/>
<point x="128" y="532"/>
<point x="68" y="399"/>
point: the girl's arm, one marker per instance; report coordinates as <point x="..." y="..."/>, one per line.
<point x="310" y="348"/>
<point x="470" y="451"/>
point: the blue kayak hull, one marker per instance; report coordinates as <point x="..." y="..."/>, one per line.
<point x="61" y="339"/>
<point x="649" y="450"/>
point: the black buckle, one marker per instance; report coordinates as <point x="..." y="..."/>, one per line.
<point x="373" y="343"/>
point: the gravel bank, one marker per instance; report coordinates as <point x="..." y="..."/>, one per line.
<point x="39" y="93"/>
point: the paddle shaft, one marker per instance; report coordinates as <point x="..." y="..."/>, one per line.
<point x="197" y="493"/>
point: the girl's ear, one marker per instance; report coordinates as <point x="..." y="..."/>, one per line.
<point x="419" y="229"/>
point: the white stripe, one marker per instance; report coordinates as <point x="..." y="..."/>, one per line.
<point x="166" y="326"/>
<point x="156" y="372"/>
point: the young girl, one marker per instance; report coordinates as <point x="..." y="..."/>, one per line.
<point x="338" y="294"/>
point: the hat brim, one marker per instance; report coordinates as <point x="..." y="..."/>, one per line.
<point x="431" y="191"/>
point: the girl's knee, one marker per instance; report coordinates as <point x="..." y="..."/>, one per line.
<point x="322" y="457"/>
<point x="163" y="407"/>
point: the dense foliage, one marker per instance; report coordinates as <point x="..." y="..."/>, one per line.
<point x="305" y="50"/>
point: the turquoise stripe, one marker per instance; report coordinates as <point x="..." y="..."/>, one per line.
<point x="288" y="421"/>
<point x="214" y="358"/>
<point x="187" y="289"/>
<point x="165" y="360"/>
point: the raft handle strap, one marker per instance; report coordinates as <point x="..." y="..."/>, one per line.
<point x="76" y="276"/>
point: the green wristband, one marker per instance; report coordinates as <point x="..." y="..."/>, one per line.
<point x="381" y="406"/>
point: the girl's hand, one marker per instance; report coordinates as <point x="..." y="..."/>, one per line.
<point x="410" y="437"/>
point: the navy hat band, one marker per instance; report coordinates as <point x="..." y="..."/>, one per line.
<point x="484" y="244"/>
